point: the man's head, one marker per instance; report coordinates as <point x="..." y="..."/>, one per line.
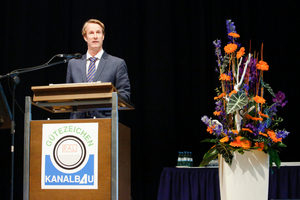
<point x="95" y="21"/>
<point x="93" y="34"/>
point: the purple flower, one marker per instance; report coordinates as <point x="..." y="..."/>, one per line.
<point x="205" y="120"/>
<point x="217" y="44"/>
<point x="218" y="130"/>
<point x="223" y="114"/>
<point x="230" y="27"/>
<point x="253" y="75"/>
<point x="279" y="98"/>
<point x="273" y="109"/>
<point x="219" y="103"/>
<point x="254" y="130"/>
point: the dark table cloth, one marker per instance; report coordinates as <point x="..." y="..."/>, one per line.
<point x="203" y="183"/>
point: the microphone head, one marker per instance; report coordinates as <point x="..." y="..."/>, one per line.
<point x="78" y="55"/>
<point x="70" y="56"/>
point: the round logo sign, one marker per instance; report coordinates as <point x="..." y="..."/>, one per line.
<point x="69" y="154"/>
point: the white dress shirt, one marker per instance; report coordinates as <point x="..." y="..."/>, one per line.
<point x="88" y="56"/>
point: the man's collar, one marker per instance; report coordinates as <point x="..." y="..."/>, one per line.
<point x="99" y="55"/>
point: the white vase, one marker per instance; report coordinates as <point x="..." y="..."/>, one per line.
<point x="247" y="178"/>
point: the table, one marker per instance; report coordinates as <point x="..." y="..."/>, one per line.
<point x="203" y="183"/>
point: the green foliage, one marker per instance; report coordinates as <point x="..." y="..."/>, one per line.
<point x="253" y="111"/>
<point x="276" y="121"/>
<point x="219" y="148"/>
<point x="225" y="63"/>
<point x="209" y="140"/>
<point x="274" y="157"/>
<point x="268" y="87"/>
<point x="209" y="156"/>
<point x="225" y="152"/>
<point x="218" y="90"/>
<point x="280" y="144"/>
<point x="236" y="102"/>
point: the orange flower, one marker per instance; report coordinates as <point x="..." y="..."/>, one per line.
<point x="217" y="113"/>
<point x="210" y="129"/>
<point x="224" y="77"/>
<point x="246" y="144"/>
<point x="224" y="139"/>
<point x="220" y="96"/>
<point x="247" y="116"/>
<point x="260" y="145"/>
<point x="263" y="115"/>
<point x="235" y="131"/>
<point x="257" y="119"/>
<point x="273" y="136"/>
<point x="213" y="146"/>
<point x="247" y="129"/>
<point x="240" y="53"/>
<point x="232" y="92"/>
<point x="230" y="48"/>
<point x="263" y="134"/>
<point x="236" y="142"/>
<point x="259" y="99"/>
<point x="262" y="65"/>
<point x="235" y="35"/>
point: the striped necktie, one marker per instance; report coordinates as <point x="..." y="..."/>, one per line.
<point x="92" y="69"/>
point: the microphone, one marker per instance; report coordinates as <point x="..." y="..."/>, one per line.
<point x="70" y="56"/>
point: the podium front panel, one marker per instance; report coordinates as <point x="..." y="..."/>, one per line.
<point x="103" y="191"/>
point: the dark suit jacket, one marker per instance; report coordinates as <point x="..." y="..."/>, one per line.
<point x="110" y="69"/>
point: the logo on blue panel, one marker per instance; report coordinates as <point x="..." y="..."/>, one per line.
<point x="69" y="163"/>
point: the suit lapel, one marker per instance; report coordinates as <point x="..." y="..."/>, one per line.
<point x="82" y="68"/>
<point x="100" y="67"/>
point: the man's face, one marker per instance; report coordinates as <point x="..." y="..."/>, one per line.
<point x="94" y="37"/>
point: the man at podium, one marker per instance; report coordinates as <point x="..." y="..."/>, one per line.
<point x="96" y="65"/>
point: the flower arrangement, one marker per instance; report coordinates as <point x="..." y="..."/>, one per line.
<point x="245" y="120"/>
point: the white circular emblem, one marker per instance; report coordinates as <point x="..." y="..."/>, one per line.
<point x="69" y="154"/>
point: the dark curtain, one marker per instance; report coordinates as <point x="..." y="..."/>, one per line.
<point x="167" y="46"/>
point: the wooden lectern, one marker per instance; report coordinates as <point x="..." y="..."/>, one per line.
<point x="113" y="140"/>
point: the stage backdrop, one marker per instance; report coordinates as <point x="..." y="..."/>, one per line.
<point x="168" y="48"/>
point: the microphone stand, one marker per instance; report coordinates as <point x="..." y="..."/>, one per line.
<point x="15" y="80"/>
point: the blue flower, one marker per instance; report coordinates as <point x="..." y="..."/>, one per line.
<point x="282" y="134"/>
<point x="218" y="130"/>
<point x="246" y="86"/>
<point x="261" y="127"/>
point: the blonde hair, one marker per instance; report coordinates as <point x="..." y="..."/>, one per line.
<point x="95" y="21"/>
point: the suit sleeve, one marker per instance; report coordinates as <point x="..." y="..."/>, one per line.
<point x="122" y="80"/>
<point x="69" y="78"/>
